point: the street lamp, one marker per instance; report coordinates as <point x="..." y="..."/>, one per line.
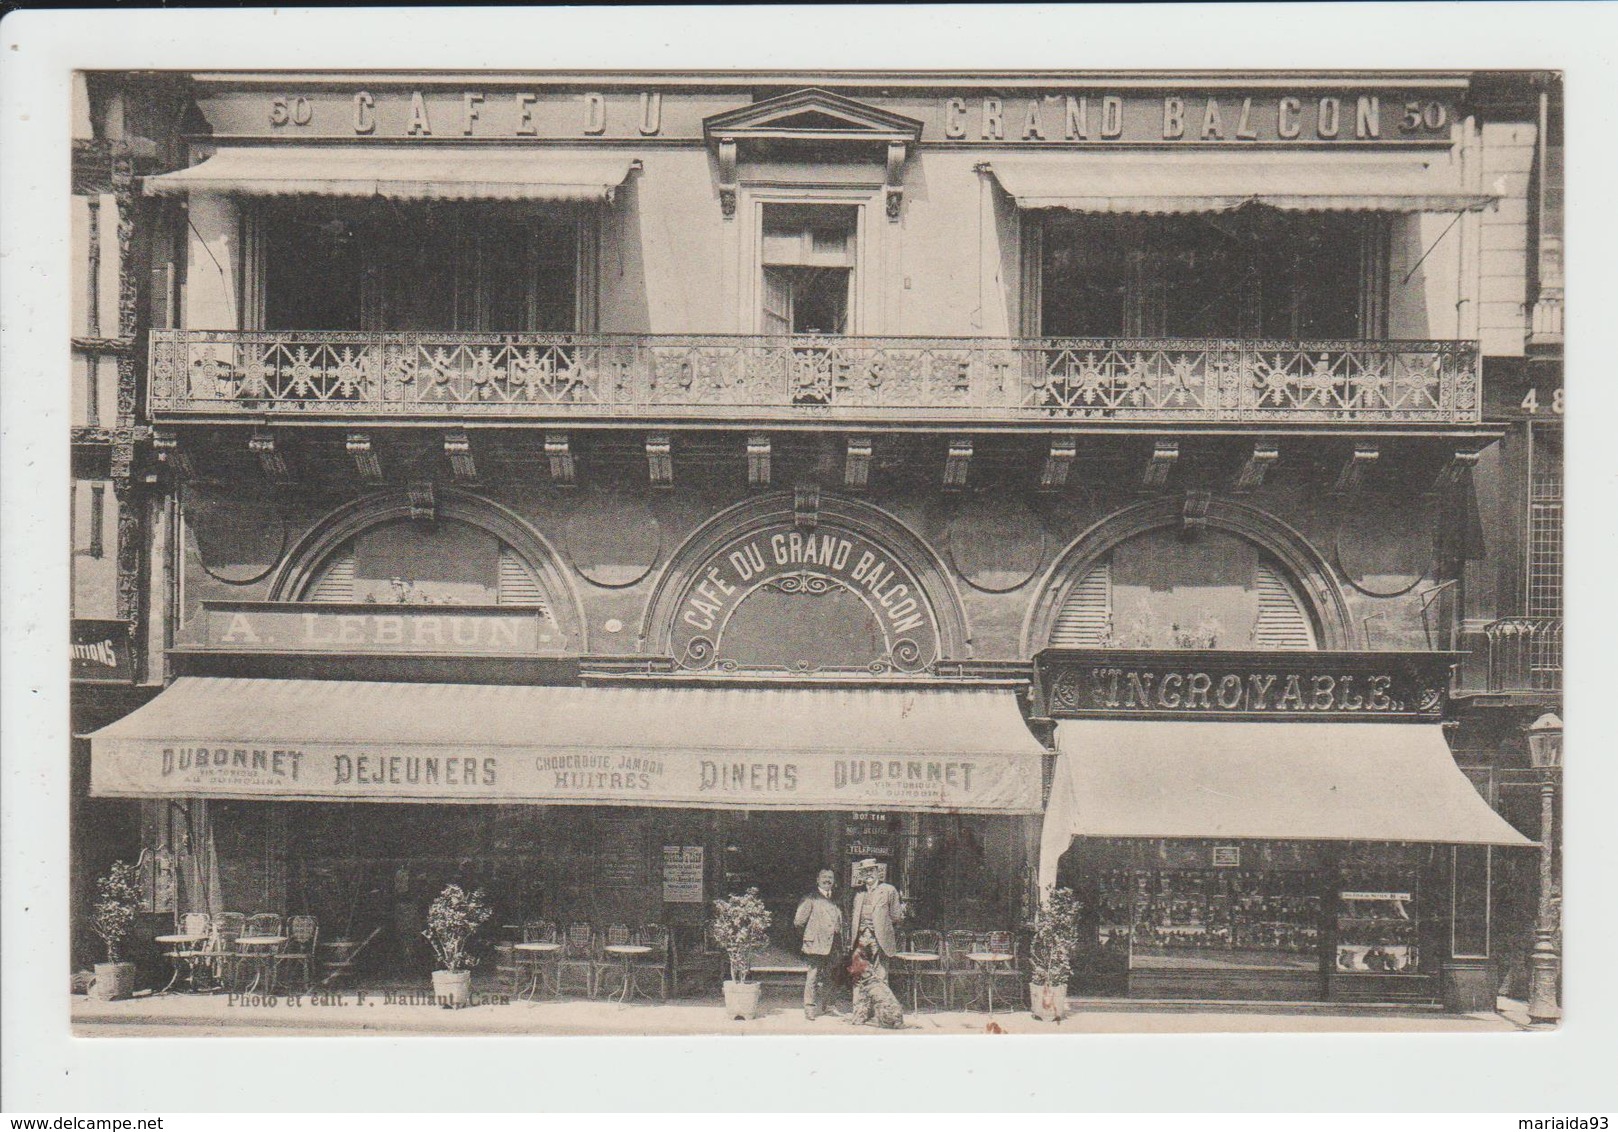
<point x="1545" y="754"/>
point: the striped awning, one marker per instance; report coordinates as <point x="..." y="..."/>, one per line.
<point x="1220" y="182"/>
<point x="837" y="748"/>
<point x="396" y="173"/>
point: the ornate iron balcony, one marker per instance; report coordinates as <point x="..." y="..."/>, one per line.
<point x="758" y="379"/>
<point x="1525" y="654"/>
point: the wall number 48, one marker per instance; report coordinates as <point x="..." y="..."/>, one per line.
<point x="1530" y="403"/>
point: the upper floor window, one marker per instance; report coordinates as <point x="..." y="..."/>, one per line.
<point x="808" y="265"/>
<point x="1255" y="273"/>
<point x="388" y="265"/>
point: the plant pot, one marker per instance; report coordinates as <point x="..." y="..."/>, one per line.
<point x="1049" y="1003"/>
<point x="741" y="999"/>
<point x="113" y="980"/>
<point x="453" y="988"/>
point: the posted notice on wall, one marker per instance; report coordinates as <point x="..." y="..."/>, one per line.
<point x="682" y="874"/>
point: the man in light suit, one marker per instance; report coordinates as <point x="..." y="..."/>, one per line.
<point x="822" y="923"/>
<point x="877" y="906"/>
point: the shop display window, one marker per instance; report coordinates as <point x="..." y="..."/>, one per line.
<point x="1378" y="928"/>
<point x="1224" y="918"/>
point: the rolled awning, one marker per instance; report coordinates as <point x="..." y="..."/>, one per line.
<point x="1219" y="182"/>
<point x="1272" y="781"/>
<point x="944" y="749"/>
<point x="417" y="173"/>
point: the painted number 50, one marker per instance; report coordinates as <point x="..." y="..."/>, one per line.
<point x="297" y="110"/>
<point x="1530" y="403"/>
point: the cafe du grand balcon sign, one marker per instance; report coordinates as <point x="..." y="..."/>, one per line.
<point x="1032" y="116"/>
<point x="1197" y="684"/>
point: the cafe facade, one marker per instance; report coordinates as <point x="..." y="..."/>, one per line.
<point x="617" y="491"/>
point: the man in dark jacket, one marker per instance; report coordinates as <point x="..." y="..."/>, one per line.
<point x="822" y="923"/>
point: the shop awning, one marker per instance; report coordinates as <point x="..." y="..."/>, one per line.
<point x="416" y="173"/>
<point x="940" y="749"/>
<point x="1219" y="182"/>
<point x="1280" y="781"/>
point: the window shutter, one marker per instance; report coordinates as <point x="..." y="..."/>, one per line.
<point x="518" y="586"/>
<point x="1282" y="621"/>
<point x="1086" y="613"/>
<point x="337" y="582"/>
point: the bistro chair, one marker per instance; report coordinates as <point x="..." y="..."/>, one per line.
<point x="578" y="956"/>
<point x="964" y="982"/>
<point x="608" y="966"/>
<point x="261" y="957"/>
<point x="533" y="969"/>
<point x="343" y="966"/>
<point x="228" y="927"/>
<point x="186" y="955"/>
<point x="921" y="963"/>
<point x="303" y="936"/>
<point x="1004" y="978"/>
<point x="657" y="963"/>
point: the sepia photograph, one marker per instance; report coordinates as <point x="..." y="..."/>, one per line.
<point x="839" y="552"/>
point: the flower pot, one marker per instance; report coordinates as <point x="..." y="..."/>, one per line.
<point x="741" y="999"/>
<point x="453" y="988"/>
<point x="113" y="980"/>
<point x="1049" y="1003"/>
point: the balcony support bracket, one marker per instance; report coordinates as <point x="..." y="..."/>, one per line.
<point x="1165" y="454"/>
<point x="660" y="459"/>
<point x="366" y="462"/>
<point x="166" y="446"/>
<point x="1251" y="477"/>
<point x="758" y="460"/>
<point x="1059" y="463"/>
<point x="458" y="447"/>
<point x="857" y="463"/>
<point x="1354" y="468"/>
<point x="957" y="463"/>
<point x="272" y="460"/>
<point x="559" y="451"/>
<point x="1463" y="461"/>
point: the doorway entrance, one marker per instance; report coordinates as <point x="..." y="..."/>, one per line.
<point x="779" y="854"/>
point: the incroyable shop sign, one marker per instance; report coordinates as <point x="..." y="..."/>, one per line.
<point x="1031" y="116"/>
<point x="222" y="766"/>
<point x="1089" y="683"/>
<point x="101" y="652"/>
<point x="364" y="628"/>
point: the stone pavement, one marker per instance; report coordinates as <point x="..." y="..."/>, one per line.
<point x="410" y="1011"/>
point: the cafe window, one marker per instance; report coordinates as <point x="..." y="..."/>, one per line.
<point x="318" y="264"/>
<point x="1254" y="273"/>
<point x="1161" y="591"/>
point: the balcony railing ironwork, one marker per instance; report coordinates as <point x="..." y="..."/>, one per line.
<point x="1525" y="654"/>
<point x="759" y="378"/>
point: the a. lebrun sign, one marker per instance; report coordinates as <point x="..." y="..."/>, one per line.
<point x="1088" y="683"/>
<point x="364" y="628"/>
<point x="224" y="766"/>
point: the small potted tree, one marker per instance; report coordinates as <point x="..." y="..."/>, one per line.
<point x="453" y="918"/>
<point x="111" y="918"/>
<point x="740" y="928"/>
<point x="1056" y="939"/>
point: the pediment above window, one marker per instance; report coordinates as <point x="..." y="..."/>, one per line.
<point x="817" y="117"/>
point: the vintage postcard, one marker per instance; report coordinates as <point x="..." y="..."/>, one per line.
<point x="813" y="551"/>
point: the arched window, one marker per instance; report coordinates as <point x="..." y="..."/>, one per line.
<point x="446" y="563"/>
<point x="1158" y="590"/>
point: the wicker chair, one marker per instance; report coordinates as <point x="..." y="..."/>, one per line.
<point x="187" y="956"/>
<point x="578" y="956"/>
<point x="658" y="963"/>
<point x="964" y="981"/>
<point x="607" y="966"/>
<point x="1008" y="980"/>
<point x="928" y="978"/>
<point x="533" y="969"/>
<point x="303" y="937"/>
<point x="228" y="927"/>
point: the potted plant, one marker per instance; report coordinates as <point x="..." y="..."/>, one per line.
<point x="740" y="928"/>
<point x="453" y="918"/>
<point x="111" y="918"/>
<point x="1056" y="940"/>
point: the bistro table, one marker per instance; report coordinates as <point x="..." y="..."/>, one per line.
<point x="626" y="953"/>
<point x="913" y="962"/>
<point x="986" y="960"/>
<point x="250" y="945"/>
<point x="537" y="948"/>
<point x="181" y="942"/>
